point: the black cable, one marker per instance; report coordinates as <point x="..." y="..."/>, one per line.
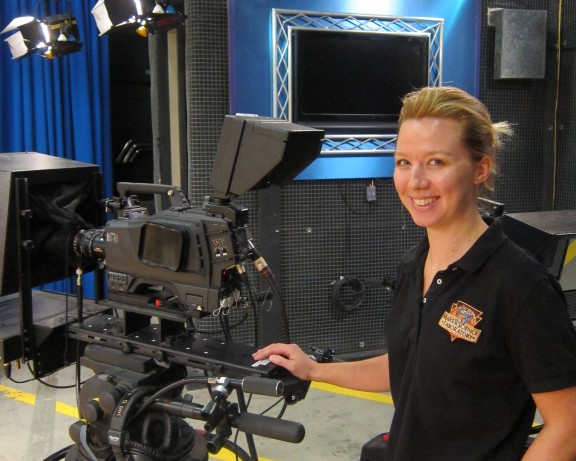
<point x="60" y="454"/>
<point x="225" y="326"/>
<point x="274" y="405"/>
<point x="246" y="281"/>
<point x="235" y="443"/>
<point x="276" y="295"/>
<point x="8" y="374"/>
<point x="69" y="386"/>
<point x="79" y="295"/>
<point x="350" y="288"/>
<point x="78" y="372"/>
<point x="20" y="382"/>
<point x="215" y="332"/>
<point x="167" y="388"/>
<point x="237" y="450"/>
<point x="349" y="207"/>
<point x="66" y="302"/>
<point x="264" y="269"/>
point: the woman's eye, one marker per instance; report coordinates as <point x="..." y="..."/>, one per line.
<point x="401" y="162"/>
<point x="436" y="162"/>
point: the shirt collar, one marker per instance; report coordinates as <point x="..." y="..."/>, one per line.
<point x="476" y="256"/>
<point x="484" y="247"/>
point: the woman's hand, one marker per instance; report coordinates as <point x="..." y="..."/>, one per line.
<point x="289" y="356"/>
<point x="369" y="375"/>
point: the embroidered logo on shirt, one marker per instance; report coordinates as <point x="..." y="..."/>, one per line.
<point x="460" y="322"/>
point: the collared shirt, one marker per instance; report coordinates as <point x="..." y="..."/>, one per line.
<point x="492" y="328"/>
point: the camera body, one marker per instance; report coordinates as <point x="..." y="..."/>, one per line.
<point x="177" y="259"/>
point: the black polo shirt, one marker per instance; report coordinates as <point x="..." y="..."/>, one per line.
<point x="492" y="329"/>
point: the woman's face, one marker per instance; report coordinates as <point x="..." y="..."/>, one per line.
<point x="435" y="175"/>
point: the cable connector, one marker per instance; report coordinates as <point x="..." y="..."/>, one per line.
<point x="259" y="262"/>
<point x="371" y="192"/>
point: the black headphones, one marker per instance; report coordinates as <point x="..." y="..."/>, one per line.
<point x="163" y="437"/>
<point x="121" y="417"/>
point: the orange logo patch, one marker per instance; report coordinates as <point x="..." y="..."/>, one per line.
<point x="461" y="321"/>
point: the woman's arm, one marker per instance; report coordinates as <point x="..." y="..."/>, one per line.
<point x="370" y="375"/>
<point x="557" y="440"/>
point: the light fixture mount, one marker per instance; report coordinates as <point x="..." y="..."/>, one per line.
<point x="146" y="16"/>
<point x="49" y="37"/>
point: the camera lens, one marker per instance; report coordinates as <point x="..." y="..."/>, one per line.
<point x="89" y="243"/>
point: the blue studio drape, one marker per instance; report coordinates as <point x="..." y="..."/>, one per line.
<point x="57" y="106"/>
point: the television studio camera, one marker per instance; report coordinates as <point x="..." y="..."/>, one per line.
<point x="162" y="273"/>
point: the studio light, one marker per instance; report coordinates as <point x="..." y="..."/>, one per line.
<point x="50" y="37"/>
<point x="146" y="16"/>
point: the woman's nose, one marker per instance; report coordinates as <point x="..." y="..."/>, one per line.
<point x="418" y="178"/>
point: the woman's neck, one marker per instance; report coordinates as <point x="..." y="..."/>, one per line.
<point x="448" y="246"/>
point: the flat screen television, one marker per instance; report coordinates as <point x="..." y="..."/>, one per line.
<point x="351" y="81"/>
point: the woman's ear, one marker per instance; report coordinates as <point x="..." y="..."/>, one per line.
<point x="483" y="170"/>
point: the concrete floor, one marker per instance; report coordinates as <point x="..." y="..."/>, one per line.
<point x="36" y="419"/>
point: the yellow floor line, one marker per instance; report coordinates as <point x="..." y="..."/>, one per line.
<point x="225" y="455"/>
<point x="67" y="410"/>
<point x="374" y="396"/>
<point x="17" y="395"/>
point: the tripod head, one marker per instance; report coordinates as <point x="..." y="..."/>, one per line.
<point x="137" y="411"/>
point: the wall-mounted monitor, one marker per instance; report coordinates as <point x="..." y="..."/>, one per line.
<point x="351" y="81"/>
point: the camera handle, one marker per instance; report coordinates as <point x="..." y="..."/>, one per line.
<point x="220" y="416"/>
<point x="177" y="198"/>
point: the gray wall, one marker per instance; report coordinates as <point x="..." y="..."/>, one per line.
<point x="327" y="229"/>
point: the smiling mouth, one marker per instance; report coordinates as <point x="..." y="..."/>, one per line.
<point x="423" y="201"/>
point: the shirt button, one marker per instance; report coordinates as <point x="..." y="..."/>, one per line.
<point x="424" y="300"/>
<point x="439" y="281"/>
<point x="454" y="269"/>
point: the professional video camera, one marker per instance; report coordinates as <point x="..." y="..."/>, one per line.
<point x="179" y="260"/>
<point x="163" y="273"/>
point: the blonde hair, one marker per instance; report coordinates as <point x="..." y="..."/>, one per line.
<point x="479" y="134"/>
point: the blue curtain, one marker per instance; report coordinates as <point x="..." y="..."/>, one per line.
<point x="57" y="106"/>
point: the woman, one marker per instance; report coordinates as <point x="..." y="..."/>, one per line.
<point x="478" y="330"/>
